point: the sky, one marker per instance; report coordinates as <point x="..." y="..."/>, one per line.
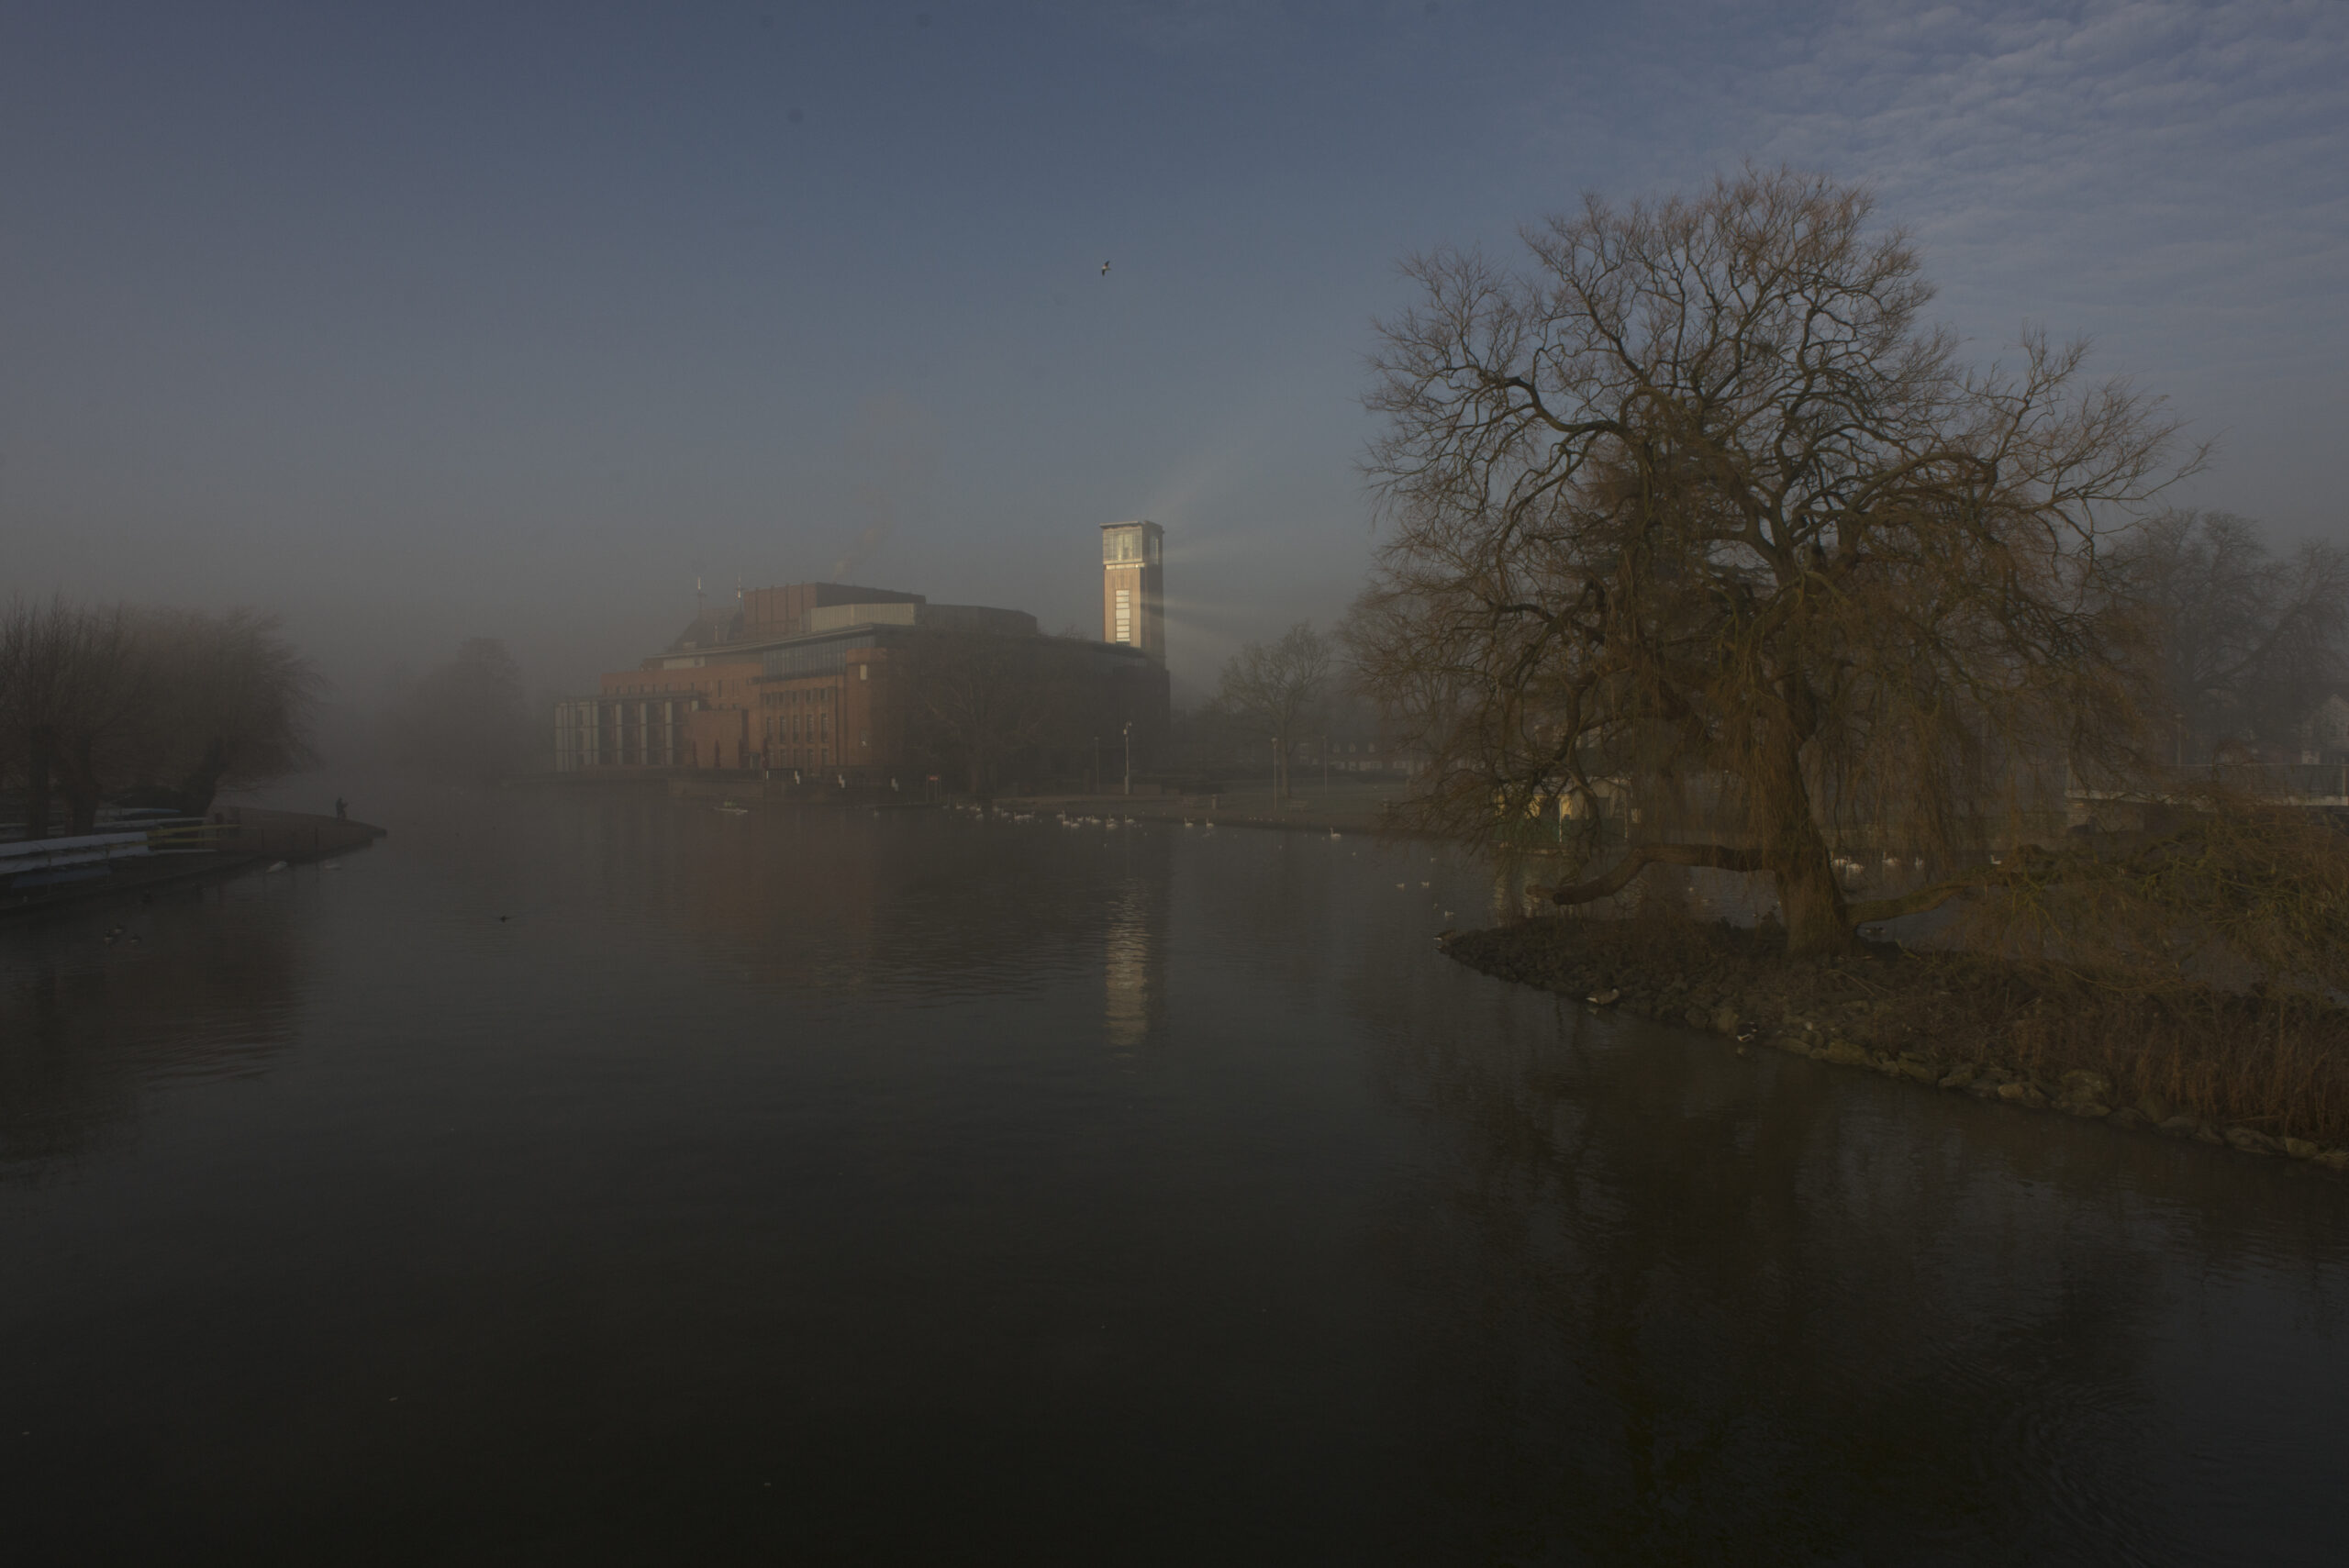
<point x="414" y="322"/>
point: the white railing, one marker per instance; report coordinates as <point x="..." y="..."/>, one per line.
<point x="175" y="836"/>
<point x="85" y="849"/>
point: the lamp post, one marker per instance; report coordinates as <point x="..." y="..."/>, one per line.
<point x="1129" y="756"/>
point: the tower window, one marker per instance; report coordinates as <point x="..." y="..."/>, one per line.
<point x="1125" y="615"/>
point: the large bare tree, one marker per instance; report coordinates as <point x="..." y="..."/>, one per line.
<point x="1693" y="499"/>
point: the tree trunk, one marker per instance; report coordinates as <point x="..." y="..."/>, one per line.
<point x="80" y="779"/>
<point x="203" y="782"/>
<point x="1810" y="901"/>
<point x="39" y="762"/>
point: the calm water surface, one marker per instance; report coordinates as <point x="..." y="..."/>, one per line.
<point x="581" y="1178"/>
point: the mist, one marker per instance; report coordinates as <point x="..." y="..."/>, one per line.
<point x="1210" y="781"/>
<point x="434" y="325"/>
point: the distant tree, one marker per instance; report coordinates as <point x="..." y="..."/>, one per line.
<point x="1277" y="688"/>
<point x="465" y="720"/>
<point x="174" y="704"/>
<point x="2247" y="642"/>
<point x="75" y="684"/>
<point x="234" y="703"/>
<point x="1695" y="497"/>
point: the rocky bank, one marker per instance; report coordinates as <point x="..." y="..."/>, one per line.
<point x="1954" y="1022"/>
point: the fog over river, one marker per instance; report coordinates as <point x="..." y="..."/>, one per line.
<point x="581" y="1177"/>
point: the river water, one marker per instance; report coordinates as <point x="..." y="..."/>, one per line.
<point x="576" y="1177"/>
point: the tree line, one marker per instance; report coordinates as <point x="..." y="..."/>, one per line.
<point x="156" y="707"/>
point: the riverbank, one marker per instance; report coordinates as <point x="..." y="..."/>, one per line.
<point x="1340" y="805"/>
<point x="1336" y="808"/>
<point x="2220" y="1069"/>
<point x="237" y="839"/>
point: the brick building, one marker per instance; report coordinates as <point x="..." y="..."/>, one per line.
<point x="838" y="684"/>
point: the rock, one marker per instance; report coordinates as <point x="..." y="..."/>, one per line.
<point x="1844" y="1053"/>
<point x="2298" y="1147"/>
<point x="2180" y="1126"/>
<point x="1959" y="1078"/>
<point x="2088" y="1086"/>
<point x="2014" y="1091"/>
<point x="2127" y="1116"/>
<point x="1698" y="1018"/>
<point x="2334" y="1159"/>
<point x="2205" y="1133"/>
<point x="2155" y="1108"/>
<point x="2089" y="1108"/>
<point x="1985" y="1088"/>
<point x="2249" y="1141"/>
<point x="1725" y="1020"/>
<point x="1920" y="1070"/>
<point x="1606" y="998"/>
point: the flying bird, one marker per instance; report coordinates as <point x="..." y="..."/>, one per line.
<point x="1104" y="269"/>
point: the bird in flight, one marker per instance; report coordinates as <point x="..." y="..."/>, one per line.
<point x="1104" y="269"/>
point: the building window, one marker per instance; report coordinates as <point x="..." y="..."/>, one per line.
<point x="1125" y="615"/>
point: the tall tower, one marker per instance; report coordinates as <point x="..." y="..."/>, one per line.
<point x="1133" y="587"/>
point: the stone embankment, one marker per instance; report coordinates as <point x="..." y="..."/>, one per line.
<point x="1942" y="1021"/>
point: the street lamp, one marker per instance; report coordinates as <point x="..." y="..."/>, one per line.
<point x="1129" y="756"/>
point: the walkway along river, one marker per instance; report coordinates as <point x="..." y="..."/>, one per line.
<point x="583" y="1177"/>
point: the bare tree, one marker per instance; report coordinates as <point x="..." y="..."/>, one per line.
<point x="1695" y="499"/>
<point x="97" y="699"/>
<point x="1276" y="687"/>
<point x="2248" y="643"/>
<point x="982" y="699"/>
<point x="77" y="683"/>
<point x="233" y="704"/>
<point x="465" y="720"/>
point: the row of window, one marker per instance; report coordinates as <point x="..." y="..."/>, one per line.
<point x="799" y="696"/>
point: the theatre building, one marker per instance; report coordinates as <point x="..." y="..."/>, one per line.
<point x="832" y="683"/>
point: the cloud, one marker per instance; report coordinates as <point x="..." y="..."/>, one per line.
<point x="2165" y="177"/>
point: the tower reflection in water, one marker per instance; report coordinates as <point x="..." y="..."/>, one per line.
<point x="1133" y="969"/>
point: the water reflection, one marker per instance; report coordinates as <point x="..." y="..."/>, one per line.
<point x="1699" y="1307"/>
<point x="1133" y="964"/>
<point x="906" y="1188"/>
<point x="99" y="1007"/>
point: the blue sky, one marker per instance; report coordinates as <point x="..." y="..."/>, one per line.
<point x="416" y="321"/>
